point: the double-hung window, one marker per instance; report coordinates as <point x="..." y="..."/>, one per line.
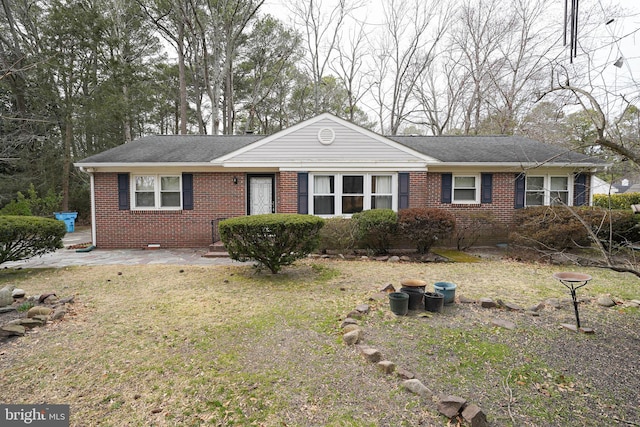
<point x="157" y="192"/>
<point x="465" y="189"/>
<point x="349" y="193"/>
<point x="547" y="190"/>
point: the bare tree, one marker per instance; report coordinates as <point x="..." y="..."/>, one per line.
<point x="404" y="52"/>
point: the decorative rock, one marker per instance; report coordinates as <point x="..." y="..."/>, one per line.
<point x="464" y="300"/>
<point x="635" y="301"/>
<point x="51" y="299"/>
<point x="352" y="337"/>
<point x="67" y="300"/>
<point x="533" y="313"/>
<point x="404" y="374"/>
<point x="405" y="258"/>
<point x="363" y="308"/>
<point x="570" y="327"/>
<point x="416" y="387"/>
<point x="388" y="289"/>
<point x="371" y="354"/>
<point x="5" y="295"/>
<point x="503" y="324"/>
<point x="348" y="321"/>
<point x="7" y="309"/>
<point x="43" y="297"/>
<point x="394" y="258"/>
<point x="58" y="314"/>
<point x="487" y="303"/>
<point x="587" y="330"/>
<point x="34" y="311"/>
<point x="349" y="328"/>
<point x="606" y="301"/>
<point x="387" y="366"/>
<point x="28" y="323"/>
<point x="41" y="317"/>
<point x="18" y="293"/>
<point x="355" y="314"/>
<point x="12" y="330"/>
<point x="450" y="406"/>
<point x="474" y="415"/>
<point x="513" y="307"/>
<point x="536" y="308"/>
<point x="382" y="258"/>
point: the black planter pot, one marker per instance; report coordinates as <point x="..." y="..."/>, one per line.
<point x="434" y="302"/>
<point x="415" y="297"/>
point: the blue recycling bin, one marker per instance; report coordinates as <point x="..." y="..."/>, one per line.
<point x="69" y="219"/>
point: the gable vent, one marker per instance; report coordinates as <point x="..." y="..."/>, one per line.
<point x="326" y="136"/>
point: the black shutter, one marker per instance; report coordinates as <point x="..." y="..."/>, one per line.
<point x="303" y="193"/>
<point x="520" y="188"/>
<point x="187" y="191"/>
<point x="447" y="187"/>
<point x="403" y="190"/>
<point x="580" y="190"/>
<point x="123" y="191"/>
<point x="486" y="188"/>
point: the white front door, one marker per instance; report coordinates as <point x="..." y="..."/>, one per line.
<point x="261" y="195"/>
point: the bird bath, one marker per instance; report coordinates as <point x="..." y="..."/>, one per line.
<point x="573" y="281"/>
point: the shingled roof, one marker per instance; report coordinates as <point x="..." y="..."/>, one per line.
<point x="201" y="149"/>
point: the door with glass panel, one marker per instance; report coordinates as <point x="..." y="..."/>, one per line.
<point x="261" y="194"/>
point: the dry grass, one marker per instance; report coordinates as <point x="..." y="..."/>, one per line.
<point x="169" y="345"/>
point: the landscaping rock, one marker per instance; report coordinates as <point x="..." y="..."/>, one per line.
<point x="42" y="298"/>
<point x="536" y="308"/>
<point x="387" y="366"/>
<point x="12" y="330"/>
<point x="487" y="303"/>
<point x="27" y="323"/>
<point x="355" y="315"/>
<point x="513" y="307"/>
<point x="404" y="374"/>
<point x="388" y="289"/>
<point x="416" y="387"/>
<point x="67" y="300"/>
<point x="474" y="415"/>
<point x="349" y="328"/>
<point x="7" y="309"/>
<point x="606" y="301"/>
<point x="503" y="324"/>
<point x="5" y="295"/>
<point x="39" y="310"/>
<point x="464" y="300"/>
<point x="352" y="337"/>
<point x="18" y="293"/>
<point x="58" y="314"/>
<point x="394" y="258"/>
<point x="348" y="321"/>
<point x="371" y="354"/>
<point x="450" y="406"/>
<point x="363" y="308"/>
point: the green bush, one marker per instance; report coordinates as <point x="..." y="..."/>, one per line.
<point x="425" y="226"/>
<point x="470" y="226"/>
<point x="338" y="234"/>
<point x="23" y="237"/>
<point x="273" y="240"/>
<point x="33" y="204"/>
<point x="549" y="227"/>
<point x="616" y="201"/>
<point x="375" y="227"/>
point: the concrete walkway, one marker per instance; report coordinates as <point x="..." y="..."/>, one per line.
<point x="69" y="257"/>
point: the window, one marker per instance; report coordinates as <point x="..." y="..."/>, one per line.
<point x="323" y="195"/>
<point x="465" y="189"/>
<point x="157" y="192"/>
<point x="346" y="194"/>
<point x="381" y="192"/>
<point x="547" y="190"/>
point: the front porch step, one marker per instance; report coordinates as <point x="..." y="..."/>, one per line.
<point x="216" y="250"/>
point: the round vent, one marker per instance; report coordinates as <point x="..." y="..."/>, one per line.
<point x="326" y="136"/>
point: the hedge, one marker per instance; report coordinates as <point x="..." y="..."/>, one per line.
<point x="23" y="237"/>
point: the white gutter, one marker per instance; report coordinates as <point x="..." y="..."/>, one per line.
<point x="93" y="209"/>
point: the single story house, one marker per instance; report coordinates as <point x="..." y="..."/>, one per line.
<point x="168" y="190"/>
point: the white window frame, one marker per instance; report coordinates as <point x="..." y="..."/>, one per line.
<point x="476" y="188"/>
<point x="546" y="189"/>
<point x="157" y="191"/>
<point x="367" y="194"/>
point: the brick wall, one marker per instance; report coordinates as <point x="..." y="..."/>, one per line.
<point x="215" y="196"/>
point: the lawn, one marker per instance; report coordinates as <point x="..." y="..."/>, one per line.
<point x="187" y="345"/>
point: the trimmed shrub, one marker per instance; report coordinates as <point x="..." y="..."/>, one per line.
<point x="425" y="226"/>
<point x="471" y="226"/>
<point x="273" y="240"/>
<point x="375" y="227"/>
<point x="338" y="234"/>
<point x="616" y="201"/>
<point x="23" y="237"/>
<point x="616" y="227"/>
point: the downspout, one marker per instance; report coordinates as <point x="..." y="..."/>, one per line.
<point x="93" y="203"/>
